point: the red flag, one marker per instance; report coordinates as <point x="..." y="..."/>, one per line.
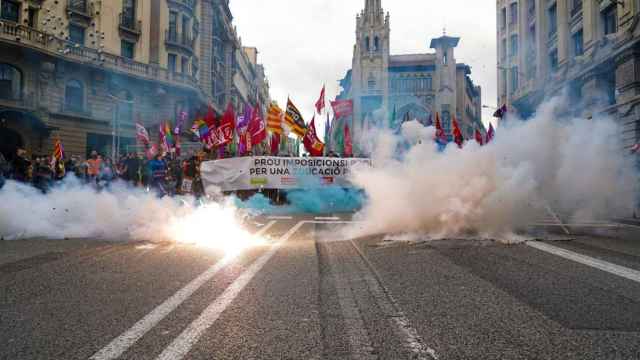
<point x="321" y="103"/>
<point x="210" y="119"/>
<point x="223" y="134"/>
<point x="257" y="127"/>
<point x="457" y="134"/>
<point x="441" y="137"/>
<point x="275" y="144"/>
<point x="348" y="146"/>
<point x="479" y="137"/>
<point x="312" y="143"/>
<point x="490" y="134"/>
<point x="342" y="108"/>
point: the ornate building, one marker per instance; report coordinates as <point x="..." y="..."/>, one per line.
<point x="588" y="48"/>
<point x="85" y="71"/>
<point x="413" y="85"/>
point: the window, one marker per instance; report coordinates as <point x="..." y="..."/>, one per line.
<point x="503" y="79"/>
<point x="376" y="44"/>
<point x="184" y="66"/>
<point x="32" y="17"/>
<point x="76" y="34"/>
<point x="74" y="96"/>
<point x="10" y="11"/>
<point x="366" y="43"/>
<point x="173" y="26"/>
<point x="185" y="29"/>
<point x="576" y="7"/>
<point x="513" y="11"/>
<point x="578" y="44"/>
<point x="514" y="79"/>
<point x="553" y="20"/>
<point x="553" y="60"/>
<point x="371" y="82"/>
<point x="609" y="20"/>
<point x="127" y="49"/>
<point x="445" y="57"/>
<point x="125" y="108"/>
<point x="172" y="62"/>
<point x="10" y="82"/>
<point x="503" y="19"/>
<point x="429" y="83"/>
<point x="503" y="52"/>
<point x="514" y="46"/>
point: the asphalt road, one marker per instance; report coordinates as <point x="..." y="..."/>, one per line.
<point x="307" y="293"/>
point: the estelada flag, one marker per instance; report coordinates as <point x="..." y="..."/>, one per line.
<point x="294" y="120"/>
<point x="490" y="134"/>
<point x="257" y="127"/>
<point x="457" y="134"/>
<point x="321" y="103"/>
<point x="479" y="138"/>
<point x="312" y="143"/>
<point x="441" y="137"/>
<point x="348" y="145"/>
<point x="274" y="119"/>
<point x="342" y="108"/>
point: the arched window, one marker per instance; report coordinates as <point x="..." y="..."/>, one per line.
<point x="376" y="44"/>
<point x="74" y="96"/>
<point x="366" y="43"/>
<point x="10" y="82"/>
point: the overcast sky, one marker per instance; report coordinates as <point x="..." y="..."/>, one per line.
<point x="307" y="43"/>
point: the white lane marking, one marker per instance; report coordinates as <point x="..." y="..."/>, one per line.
<point x="280" y="218"/>
<point x="385" y="300"/>
<point x="576" y="225"/>
<point x="181" y="345"/>
<point x="630" y="274"/>
<point x="119" y="345"/>
<point x="327" y="218"/>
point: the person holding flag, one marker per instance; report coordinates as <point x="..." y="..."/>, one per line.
<point x="490" y="134"/>
<point x="274" y="126"/>
<point x="457" y="134"/>
<point x="57" y="161"/>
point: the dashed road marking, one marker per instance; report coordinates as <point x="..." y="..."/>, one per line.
<point x="123" y="342"/>
<point x="630" y="274"/>
<point x="280" y="218"/>
<point x="181" y="346"/>
<point x="330" y="218"/>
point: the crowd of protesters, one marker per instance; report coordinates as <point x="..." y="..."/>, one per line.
<point x="164" y="175"/>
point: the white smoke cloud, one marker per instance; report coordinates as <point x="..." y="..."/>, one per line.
<point x="72" y="210"/>
<point x="577" y="166"/>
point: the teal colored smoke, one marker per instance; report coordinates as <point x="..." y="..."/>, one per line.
<point x="324" y="200"/>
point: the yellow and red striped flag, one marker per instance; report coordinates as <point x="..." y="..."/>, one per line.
<point x="274" y="119"/>
<point x="58" y="150"/>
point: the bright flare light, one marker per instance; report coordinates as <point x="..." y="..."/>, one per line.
<point x="213" y="226"/>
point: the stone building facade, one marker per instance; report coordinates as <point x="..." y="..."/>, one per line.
<point x="83" y="71"/>
<point x="588" y="49"/>
<point x="414" y="85"/>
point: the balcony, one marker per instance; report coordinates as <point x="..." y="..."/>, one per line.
<point x="78" y="8"/>
<point x="184" y="42"/>
<point x="27" y="37"/>
<point x="188" y="5"/>
<point x="128" y="24"/>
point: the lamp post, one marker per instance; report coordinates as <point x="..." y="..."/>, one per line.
<point x="115" y="127"/>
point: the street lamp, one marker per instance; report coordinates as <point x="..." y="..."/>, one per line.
<point x="115" y="127"/>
